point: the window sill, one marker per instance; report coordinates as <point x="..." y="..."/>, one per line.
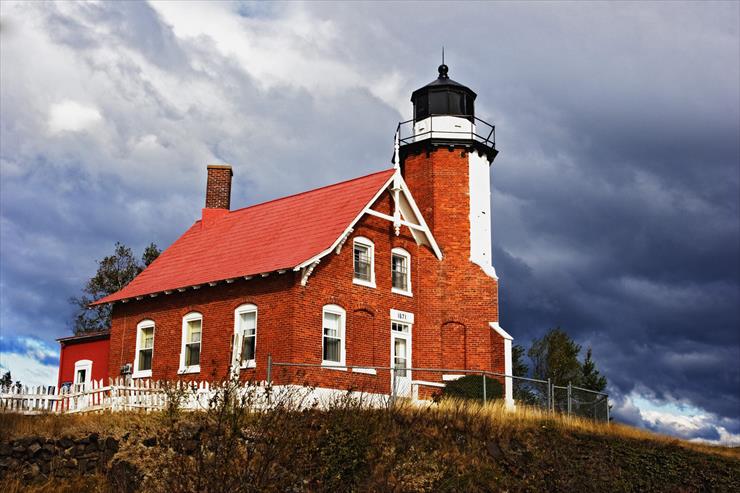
<point x="142" y="374"/>
<point x="366" y="371"/>
<point x="189" y="369"/>
<point x="333" y="365"/>
<point x="367" y="284"/>
<point x="249" y="365"/>
<point x="402" y="292"/>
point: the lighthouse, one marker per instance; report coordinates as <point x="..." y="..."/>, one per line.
<point x="445" y="154"/>
<point x="445" y="157"/>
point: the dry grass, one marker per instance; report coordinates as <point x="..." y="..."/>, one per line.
<point x="525" y="417"/>
<point x="89" y="483"/>
<point x="450" y="446"/>
<point x="56" y="425"/>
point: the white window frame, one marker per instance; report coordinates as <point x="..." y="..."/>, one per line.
<point x="236" y="356"/>
<point x="144" y="324"/>
<point x="402" y="253"/>
<point x="83" y="364"/>
<point x="335" y="310"/>
<point x="189" y="318"/>
<point x="366" y="242"/>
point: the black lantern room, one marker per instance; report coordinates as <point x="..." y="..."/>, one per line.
<point x="443" y="96"/>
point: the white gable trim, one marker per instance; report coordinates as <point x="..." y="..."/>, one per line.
<point x="495" y="326"/>
<point x="416" y="212"/>
<point x="416" y="228"/>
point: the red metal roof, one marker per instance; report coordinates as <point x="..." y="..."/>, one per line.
<point x="279" y="234"/>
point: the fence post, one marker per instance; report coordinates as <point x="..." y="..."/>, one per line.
<point x="569" y="394"/>
<point x="550" y="405"/>
<point x="484" y="387"/>
<point x="393" y="387"/>
<point x="269" y="368"/>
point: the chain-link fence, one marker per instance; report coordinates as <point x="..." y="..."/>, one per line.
<point x="577" y="401"/>
<point x="382" y="385"/>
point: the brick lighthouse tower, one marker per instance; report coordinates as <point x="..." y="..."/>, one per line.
<point x="445" y="157"/>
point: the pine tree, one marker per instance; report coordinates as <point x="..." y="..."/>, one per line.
<point x="522" y="389"/>
<point x="114" y="272"/>
<point x="518" y="367"/>
<point x="555" y="356"/>
<point x="591" y="378"/>
<point x="6" y="381"/>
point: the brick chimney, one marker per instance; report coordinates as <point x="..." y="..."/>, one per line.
<point x="218" y="192"/>
<point x="218" y="188"/>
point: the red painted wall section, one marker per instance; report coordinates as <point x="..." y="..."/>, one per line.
<point x="72" y="351"/>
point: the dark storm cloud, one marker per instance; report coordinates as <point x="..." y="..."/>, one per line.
<point x="615" y="196"/>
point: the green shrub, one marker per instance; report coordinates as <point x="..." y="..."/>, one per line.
<point x="471" y="387"/>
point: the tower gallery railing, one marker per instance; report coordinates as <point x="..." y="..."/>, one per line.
<point x="476" y="129"/>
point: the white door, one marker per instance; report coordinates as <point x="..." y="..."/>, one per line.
<point x="401" y="359"/>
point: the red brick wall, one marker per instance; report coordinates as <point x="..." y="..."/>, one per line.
<point x="272" y="296"/>
<point x="459" y="299"/>
<point x="453" y="301"/>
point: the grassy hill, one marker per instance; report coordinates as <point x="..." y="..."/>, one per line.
<point x="452" y="446"/>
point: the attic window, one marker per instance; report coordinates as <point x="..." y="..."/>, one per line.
<point x="364" y="262"/>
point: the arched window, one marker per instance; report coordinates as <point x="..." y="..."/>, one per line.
<point x="364" y="262"/>
<point x="144" y="349"/>
<point x="245" y="336"/>
<point x="401" y="271"/>
<point x="192" y="331"/>
<point x="333" y="335"/>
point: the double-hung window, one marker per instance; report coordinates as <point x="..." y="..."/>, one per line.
<point x="364" y="262"/>
<point x="144" y="349"/>
<point x="401" y="271"/>
<point x="333" y="335"/>
<point x="192" y="330"/>
<point x="245" y="336"/>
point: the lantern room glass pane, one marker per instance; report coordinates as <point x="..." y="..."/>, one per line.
<point x="438" y="103"/>
<point x="457" y="103"/>
<point x="421" y="107"/>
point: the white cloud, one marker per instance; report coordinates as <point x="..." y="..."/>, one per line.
<point x="293" y="48"/>
<point x="675" y="418"/>
<point x="30" y="360"/>
<point x="71" y="116"/>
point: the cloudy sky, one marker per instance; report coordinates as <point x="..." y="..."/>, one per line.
<point x="615" y="196"/>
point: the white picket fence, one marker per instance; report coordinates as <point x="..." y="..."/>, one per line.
<point x="148" y="395"/>
<point x="118" y="395"/>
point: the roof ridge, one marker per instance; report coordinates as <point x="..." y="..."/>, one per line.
<point x="311" y="190"/>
